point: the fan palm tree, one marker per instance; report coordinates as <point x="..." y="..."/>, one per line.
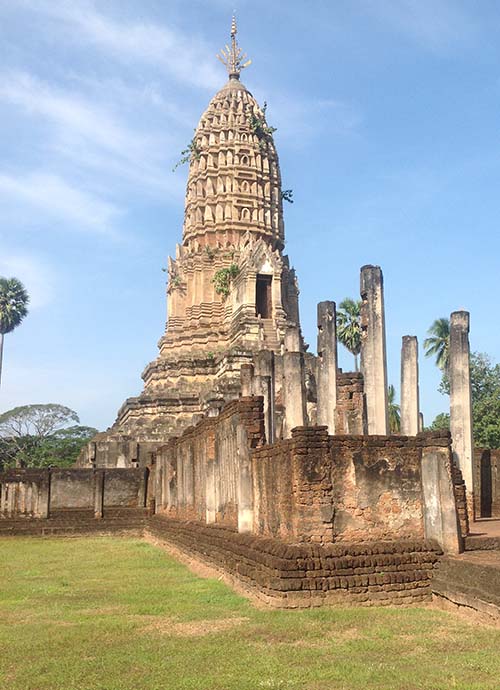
<point x="438" y="343"/>
<point x="394" y="410"/>
<point x="349" y="327"/>
<point x="13" y="308"/>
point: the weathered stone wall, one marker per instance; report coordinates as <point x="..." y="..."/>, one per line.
<point x="324" y="489"/>
<point x="487" y="482"/>
<point x="291" y="576"/>
<point x="350" y="414"/>
<point x="110" y="449"/>
<point x="43" y="493"/>
<point x="200" y="475"/>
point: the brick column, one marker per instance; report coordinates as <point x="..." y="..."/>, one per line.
<point x="373" y="352"/>
<point x="327" y="365"/>
<point x="410" y="414"/>
<point x="461" y="403"/>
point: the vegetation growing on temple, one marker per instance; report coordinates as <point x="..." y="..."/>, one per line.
<point x="189" y="154"/>
<point x="222" y="279"/>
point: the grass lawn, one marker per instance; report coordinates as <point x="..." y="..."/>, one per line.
<point x="119" y="614"/>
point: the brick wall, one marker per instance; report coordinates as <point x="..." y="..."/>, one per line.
<point x="291" y="576"/>
<point x="321" y="489"/>
<point x="350" y="413"/>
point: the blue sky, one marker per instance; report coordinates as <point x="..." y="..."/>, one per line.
<point x="387" y="116"/>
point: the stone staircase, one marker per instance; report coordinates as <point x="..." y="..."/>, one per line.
<point x="268" y="335"/>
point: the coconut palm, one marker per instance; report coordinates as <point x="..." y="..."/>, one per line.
<point x="349" y="327"/>
<point x="13" y="308"/>
<point x="438" y="343"/>
<point x="394" y="410"/>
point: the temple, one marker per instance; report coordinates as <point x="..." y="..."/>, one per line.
<point x="231" y="291"/>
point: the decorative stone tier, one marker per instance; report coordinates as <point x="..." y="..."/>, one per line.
<point x="234" y="180"/>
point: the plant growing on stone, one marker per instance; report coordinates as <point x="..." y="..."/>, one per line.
<point x="287" y="195"/>
<point x="189" y="154"/>
<point x="222" y="279"/>
<point x="210" y="252"/>
<point x="349" y="327"/>
<point x="258" y="124"/>
<point x="14" y="301"/>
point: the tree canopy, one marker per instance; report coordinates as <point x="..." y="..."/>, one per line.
<point x="14" y="301"/>
<point x="438" y="343"/>
<point x="349" y="326"/>
<point x="394" y="410"/>
<point x="41" y="435"/>
<point x="485" y="388"/>
<point x="36" y="420"/>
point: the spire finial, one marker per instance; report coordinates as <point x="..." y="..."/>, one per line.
<point x="233" y="56"/>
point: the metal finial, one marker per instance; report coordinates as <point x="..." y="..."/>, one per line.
<point x="233" y="56"/>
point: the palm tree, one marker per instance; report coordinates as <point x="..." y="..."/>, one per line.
<point x="349" y="327"/>
<point x="438" y="343"/>
<point x="13" y="308"/>
<point x="394" y="410"/>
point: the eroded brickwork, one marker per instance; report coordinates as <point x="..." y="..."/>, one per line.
<point x="291" y="576"/>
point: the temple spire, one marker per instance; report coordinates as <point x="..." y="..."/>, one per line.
<point x="233" y="56"/>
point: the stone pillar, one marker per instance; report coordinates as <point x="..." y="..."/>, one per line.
<point x="327" y="365"/>
<point x="43" y="503"/>
<point x="246" y="378"/>
<point x="294" y="392"/>
<point x="245" y="484"/>
<point x="410" y="412"/>
<point x="210" y="498"/>
<point x="98" y="494"/>
<point x="264" y="385"/>
<point x="292" y="339"/>
<point x="373" y="353"/>
<point x="461" y="403"/>
<point x="439" y="508"/>
<point x="210" y="492"/>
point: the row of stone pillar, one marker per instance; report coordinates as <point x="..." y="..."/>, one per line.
<point x="374" y="370"/>
<point x="259" y="379"/>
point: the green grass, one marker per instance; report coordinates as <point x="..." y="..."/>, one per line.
<point x="119" y="614"/>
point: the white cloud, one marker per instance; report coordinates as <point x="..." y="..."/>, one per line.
<point x="59" y="199"/>
<point x="33" y="272"/>
<point x="88" y="131"/>
<point x="185" y="57"/>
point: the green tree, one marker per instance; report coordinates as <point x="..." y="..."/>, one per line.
<point x="441" y="421"/>
<point x="349" y="327"/>
<point x="41" y="435"/>
<point x="394" y="410"/>
<point x="485" y="389"/>
<point x="13" y="308"/>
<point x="438" y="343"/>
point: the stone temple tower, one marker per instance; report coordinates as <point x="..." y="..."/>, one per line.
<point x="231" y="291"/>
